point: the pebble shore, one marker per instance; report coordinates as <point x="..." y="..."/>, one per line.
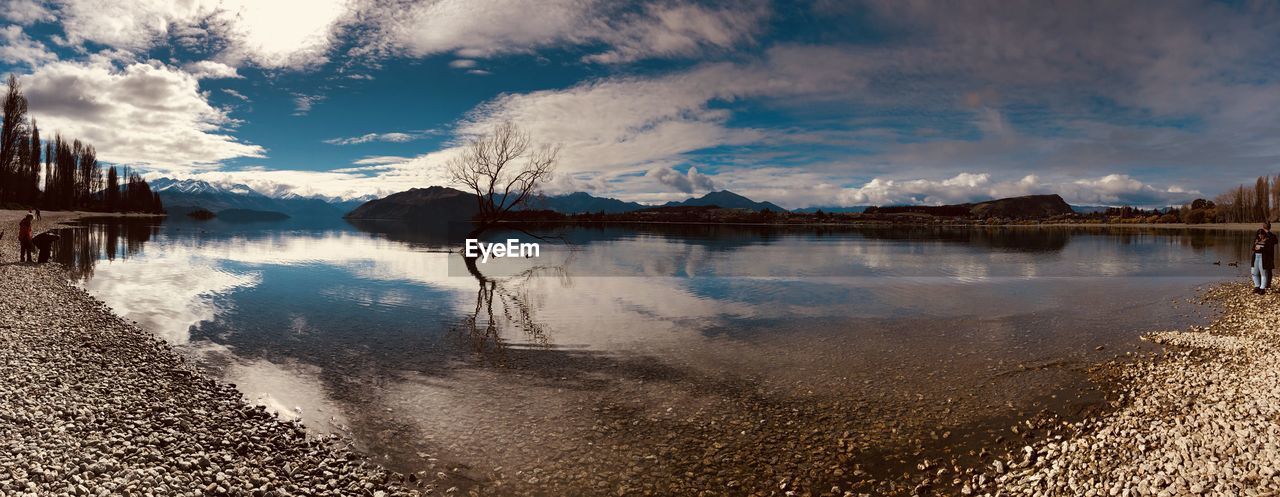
<point x="93" y="405"/>
<point x="1202" y="418"/>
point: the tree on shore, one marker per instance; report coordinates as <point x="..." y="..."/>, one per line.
<point x="1261" y="198"/>
<point x="12" y="135"/>
<point x="1242" y="204"/>
<point x="112" y="193"/>
<point x="29" y="184"/>
<point x="504" y="168"/>
<point x="73" y="178"/>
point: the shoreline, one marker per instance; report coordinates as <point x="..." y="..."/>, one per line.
<point x="1202" y="418"/>
<point x="95" y="405"/>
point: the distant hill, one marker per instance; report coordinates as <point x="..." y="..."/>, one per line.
<point x="182" y="196"/>
<point x="436" y="203"/>
<point x="1025" y="207"/>
<point x="726" y="199"/>
<point x="580" y="202"/>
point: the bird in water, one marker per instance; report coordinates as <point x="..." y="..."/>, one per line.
<point x="1217" y="263"/>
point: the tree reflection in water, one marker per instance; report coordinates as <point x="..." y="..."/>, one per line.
<point x="80" y="247"/>
<point x="505" y="302"/>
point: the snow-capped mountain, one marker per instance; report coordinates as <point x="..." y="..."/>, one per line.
<point x="198" y="187"/>
<point x="191" y="194"/>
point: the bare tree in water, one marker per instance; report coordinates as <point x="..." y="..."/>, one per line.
<point x="504" y="168"/>
<point x="506" y="302"/>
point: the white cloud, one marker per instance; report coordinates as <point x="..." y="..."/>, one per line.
<point x="1123" y="189"/>
<point x="340" y="183"/>
<point x="383" y="159"/>
<point x="18" y="48"/>
<point x="208" y="69"/>
<point x="688" y="182"/>
<point x="462" y="63"/>
<point x="140" y="114"/>
<point x="631" y="124"/>
<point x="1113" y="189"/>
<point x="393" y="137"/>
<point x="271" y="34"/>
<point x="26" y="12"/>
<point x="484" y="28"/>
<point x="236" y="94"/>
<point x="302" y="103"/>
<point x="679" y="30"/>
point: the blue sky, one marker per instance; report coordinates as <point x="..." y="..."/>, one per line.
<point x="800" y="103"/>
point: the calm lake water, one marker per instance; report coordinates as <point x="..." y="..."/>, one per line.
<point x="656" y="358"/>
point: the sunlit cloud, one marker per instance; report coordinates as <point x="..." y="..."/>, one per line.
<point x="393" y="137"/>
<point x="140" y="114"/>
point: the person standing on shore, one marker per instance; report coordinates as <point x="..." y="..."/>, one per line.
<point x="24" y="239"/>
<point x="1264" y="255"/>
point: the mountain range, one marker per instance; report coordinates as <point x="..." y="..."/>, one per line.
<point x="183" y="196"/>
<point x="440" y="203"/>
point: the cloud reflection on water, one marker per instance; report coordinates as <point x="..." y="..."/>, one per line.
<point x="354" y="329"/>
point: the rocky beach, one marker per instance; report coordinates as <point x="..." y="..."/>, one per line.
<point x="1200" y="418"/>
<point x="93" y="405"/>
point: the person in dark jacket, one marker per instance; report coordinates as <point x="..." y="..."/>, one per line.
<point x="44" y="242"/>
<point x="1264" y="258"/>
<point x="24" y="239"/>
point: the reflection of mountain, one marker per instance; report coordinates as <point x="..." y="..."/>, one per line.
<point x="250" y="216"/>
<point x="414" y="234"/>
<point x="182" y="196"/>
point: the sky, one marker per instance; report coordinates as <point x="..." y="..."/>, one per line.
<point x="802" y="103"/>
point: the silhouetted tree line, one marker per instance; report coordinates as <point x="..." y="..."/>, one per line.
<point x="933" y="210"/>
<point x="73" y="178"/>
<point x="1126" y="212"/>
<point x="1242" y="204"/>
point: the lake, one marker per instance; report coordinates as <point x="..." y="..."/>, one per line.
<point x="659" y="358"/>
